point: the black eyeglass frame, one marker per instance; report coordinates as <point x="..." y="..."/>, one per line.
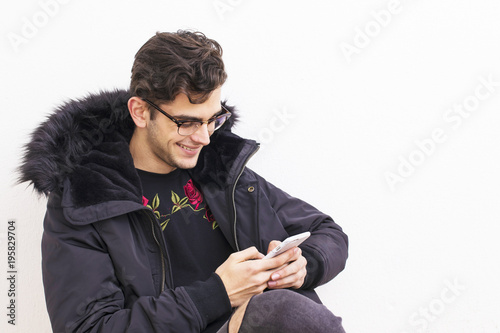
<point x="179" y="123"/>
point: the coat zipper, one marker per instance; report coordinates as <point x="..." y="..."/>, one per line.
<point x="232" y="196"/>
<point x="163" y="270"/>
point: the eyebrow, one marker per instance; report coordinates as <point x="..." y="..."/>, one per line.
<point x="191" y="118"/>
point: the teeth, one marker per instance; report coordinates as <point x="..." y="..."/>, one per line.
<point x="186" y="147"/>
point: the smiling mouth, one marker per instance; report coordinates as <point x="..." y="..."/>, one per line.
<point x="187" y="148"/>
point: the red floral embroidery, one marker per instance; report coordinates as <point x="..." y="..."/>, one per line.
<point x="208" y="214"/>
<point x="210" y="217"/>
<point x="194" y="195"/>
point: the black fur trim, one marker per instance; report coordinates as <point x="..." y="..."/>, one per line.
<point x="86" y="141"/>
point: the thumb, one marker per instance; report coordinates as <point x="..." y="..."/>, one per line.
<point x="248" y="254"/>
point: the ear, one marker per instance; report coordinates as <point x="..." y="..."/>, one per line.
<point x="139" y="111"/>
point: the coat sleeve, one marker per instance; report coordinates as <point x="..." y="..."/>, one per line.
<point x="83" y="293"/>
<point x="326" y="248"/>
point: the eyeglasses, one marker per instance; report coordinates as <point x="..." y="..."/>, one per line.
<point x="188" y="127"/>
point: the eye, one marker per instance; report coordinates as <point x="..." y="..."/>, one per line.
<point x="189" y="124"/>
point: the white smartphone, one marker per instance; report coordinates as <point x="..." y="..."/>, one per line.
<point x="288" y="243"/>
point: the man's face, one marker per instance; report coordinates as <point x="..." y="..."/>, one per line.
<point x="172" y="150"/>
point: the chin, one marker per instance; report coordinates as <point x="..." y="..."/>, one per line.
<point x="187" y="163"/>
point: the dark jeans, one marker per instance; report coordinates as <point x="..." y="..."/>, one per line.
<point x="279" y="311"/>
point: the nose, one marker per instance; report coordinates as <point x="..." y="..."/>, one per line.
<point x="201" y="136"/>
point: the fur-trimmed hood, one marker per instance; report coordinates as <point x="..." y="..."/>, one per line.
<point x="83" y="148"/>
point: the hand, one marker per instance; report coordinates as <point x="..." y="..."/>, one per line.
<point x="293" y="273"/>
<point x="244" y="277"/>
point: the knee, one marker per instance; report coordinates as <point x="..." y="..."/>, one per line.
<point x="287" y="311"/>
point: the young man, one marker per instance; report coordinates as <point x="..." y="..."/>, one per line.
<point x="153" y="222"/>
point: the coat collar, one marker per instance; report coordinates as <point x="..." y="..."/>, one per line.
<point x="82" y="152"/>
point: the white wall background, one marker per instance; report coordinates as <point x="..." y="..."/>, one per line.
<point x="340" y="93"/>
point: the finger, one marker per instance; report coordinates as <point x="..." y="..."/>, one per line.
<point x="291" y="269"/>
<point x="272" y="245"/>
<point x="291" y="276"/>
<point x="297" y="253"/>
<point x="295" y="280"/>
<point x="247" y="254"/>
<point x="290" y="255"/>
<point x="280" y="260"/>
<point x="288" y="270"/>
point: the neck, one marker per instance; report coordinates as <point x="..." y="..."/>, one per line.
<point x="144" y="159"/>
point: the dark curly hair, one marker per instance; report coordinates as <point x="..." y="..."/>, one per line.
<point x="182" y="62"/>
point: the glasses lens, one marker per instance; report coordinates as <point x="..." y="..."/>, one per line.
<point x="188" y="128"/>
<point x="219" y="121"/>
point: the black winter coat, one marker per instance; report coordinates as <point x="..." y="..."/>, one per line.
<point x="105" y="264"/>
